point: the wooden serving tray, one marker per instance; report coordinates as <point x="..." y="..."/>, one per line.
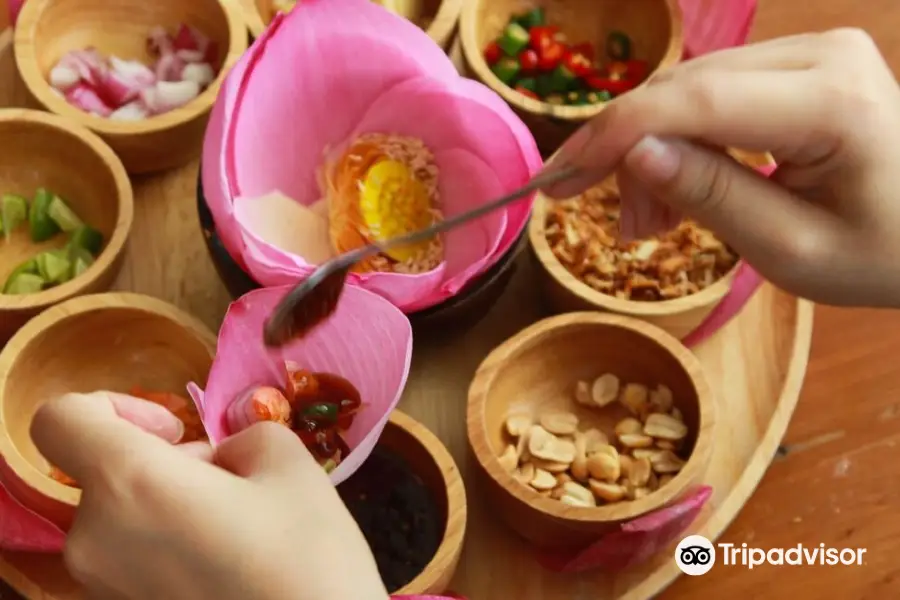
<point x="756" y="363"/>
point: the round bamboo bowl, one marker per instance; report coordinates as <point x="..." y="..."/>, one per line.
<point x="430" y="460"/>
<point x="437" y="17"/>
<point x="45" y="150"/>
<point x="47" y="29"/>
<point x="654" y="26"/>
<point x="111" y="341"/>
<point x="537" y="369"/>
<point x="564" y="292"/>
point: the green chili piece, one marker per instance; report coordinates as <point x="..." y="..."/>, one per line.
<point x="23" y="283"/>
<point x="532" y="18"/>
<point x="529" y="83"/>
<point x="514" y="39"/>
<point x="618" y="46"/>
<point x="54" y="266"/>
<point x="87" y="238"/>
<point x="506" y="69"/>
<point x="562" y="79"/>
<point x="324" y="411"/>
<point x="598" y="97"/>
<point x="63" y="216"/>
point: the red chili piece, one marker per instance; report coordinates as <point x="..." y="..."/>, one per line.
<point x="584" y="49"/>
<point x="542" y="36"/>
<point x="528" y="60"/>
<point x="606" y="84"/>
<point x="492" y="53"/>
<point x="579" y="64"/>
<point x="526" y="92"/>
<point x="637" y="70"/>
<point x="550" y="56"/>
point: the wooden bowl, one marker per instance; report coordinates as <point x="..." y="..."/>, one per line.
<point x="45" y="150"/>
<point x="111" y="341"/>
<point x="430" y="460"/>
<point x="537" y="369"/>
<point x="564" y="292"/>
<point x="47" y="29"/>
<point x="456" y="315"/>
<point x="655" y="27"/>
<point x="437" y="17"/>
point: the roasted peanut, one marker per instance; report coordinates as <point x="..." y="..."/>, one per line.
<point x="653" y="482"/>
<point x="522" y="446"/>
<point x="635" y="399"/>
<point x="628" y="426"/>
<point x="538" y="439"/>
<point x="579" y="463"/>
<point x="661" y="399"/>
<point x="583" y="393"/>
<point x="560" y="423"/>
<point x="626" y="464"/>
<point x="665" y="427"/>
<point x="517" y="425"/>
<point x="594" y="438"/>
<point x="667" y="462"/>
<point x="648" y="453"/>
<point x="572" y="500"/>
<point x="640" y="472"/>
<point x="524" y="474"/>
<point x="509" y="459"/>
<point x="549" y="465"/>
<point x="543" y="480"/>
<point x="605" y="390"/>
<point x="604" y="464"/>
<point x="676" y="414"/>
<point x="610" y="492"/>
<point x="666" y="445"/>
<point x="579" y="492"/>
<point x="636" y="440"/>
<point x="562" y="478"/>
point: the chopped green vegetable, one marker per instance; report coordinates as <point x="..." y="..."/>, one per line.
<point x="54" y="266"/>
<point x="88" y="238"/>
<point x="562" y="79"/>
<point x="514" y="39"/>
<point x="529" y="83"/>
<point x="29" y="266"/>
<point x="80" y="266"/>
<point x="13" y="212"/>
<point x="618" y="46"/>
<point x="506" y="69"/>
<point x="558" y="99"/>
<point x="598" y="97"/>
<point x="23" y="283"/>
<point x="42" y="226"/>
<point x="63" y="216"/>
<point x="543" y="85"/>
<point x="532" y="18"/>
<point x="326" y="411"/>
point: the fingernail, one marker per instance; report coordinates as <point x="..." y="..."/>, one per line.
<point x="654" y="160"/>
<point x="149" y="416"/>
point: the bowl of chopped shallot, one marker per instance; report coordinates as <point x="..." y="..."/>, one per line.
<point x="585" y="421"/>
<point x="142" y="75"/>
<point x="673" y="280"/>
<point x="116" y="342"/>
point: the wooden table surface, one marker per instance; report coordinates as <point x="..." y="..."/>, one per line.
<point x="830" y="484"/>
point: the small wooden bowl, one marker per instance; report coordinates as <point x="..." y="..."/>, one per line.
<point x="454" y="316"/>
<point x="564" y="292"/>
<point x="47" y="29"/>
<point x="111" y="341"/>
<point x="430" y="460"/>
<point x="655" y="28"/>
<point x="437" y="17"/>
<point x="537" y="370"/>
<point x="45" y="150"/>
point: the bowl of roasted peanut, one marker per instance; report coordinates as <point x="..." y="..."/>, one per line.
<point x="587" y="420"/>
<point x="672" y="280"/>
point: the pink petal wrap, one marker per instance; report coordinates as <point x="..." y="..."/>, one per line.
<point x="711" y="25"/>
<point x="271" y="127"/>
<point x="367" y="341"/>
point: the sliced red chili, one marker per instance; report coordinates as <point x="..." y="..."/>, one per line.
<point x="492" y="53"/>
<point x="526" y="92"/>
<point x="607" y="84"/>
<point x="637" y="70"/>
<point x="528" y="60"/>
<point x="578" y="63"/>
<point x="550" y="56"/>
<point x="585" y="49"/>
<point x="542" y="36"/>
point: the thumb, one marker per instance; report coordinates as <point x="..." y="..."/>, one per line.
<point x="765" y="223"/>
<point x="84" y="433"/>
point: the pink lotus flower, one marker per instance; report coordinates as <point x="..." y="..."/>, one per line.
<point x="368" y="342"/>
<point x="321" y="76"/>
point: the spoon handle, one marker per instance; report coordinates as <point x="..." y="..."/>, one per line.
<point x="444" y="225"/>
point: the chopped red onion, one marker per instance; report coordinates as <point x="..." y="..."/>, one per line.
<point x="63" y="77"/>
<point x="190" y="56"/>
<point x="84" y="97"/>
<point x="202" y="73"/>
<point x="134" y="70"/>
<point x="172" y="94"/>
<point x="117" y="90"/>
<point x="159" y="42"/>
<point x="169" y="68"/>
<point x="134" y="111"/>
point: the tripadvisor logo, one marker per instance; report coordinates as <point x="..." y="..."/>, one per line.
<point x="795" y="555"/>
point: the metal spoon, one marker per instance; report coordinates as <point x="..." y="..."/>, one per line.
<point x="315" y="298"/>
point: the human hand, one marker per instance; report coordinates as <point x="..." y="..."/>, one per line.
<point x="826" y="105"/>
<point x="255" y="518"/>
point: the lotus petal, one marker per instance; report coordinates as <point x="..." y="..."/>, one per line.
<point x="23" y="530"/>
<point x="367" y="340"/>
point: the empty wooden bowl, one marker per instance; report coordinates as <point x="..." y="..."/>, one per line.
<point x="437" y="17"/>
<point x="654" y="26"/>
<point x="537" y="371"/>
<point x="111" y="341"/>
<point x="564" y="292"/>
<point x="47" y="151"/>
<point x="429" y="460"/>
<point x="48" y="29"/>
